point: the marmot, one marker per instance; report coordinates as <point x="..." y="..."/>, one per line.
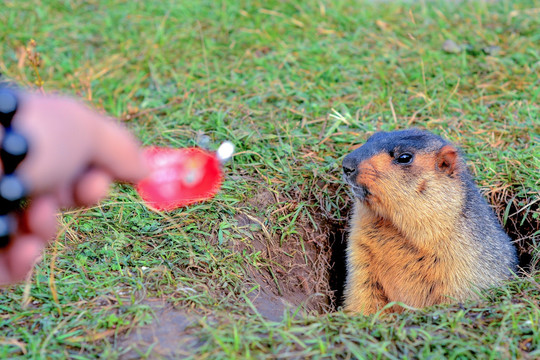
<point x="421" y="233"/>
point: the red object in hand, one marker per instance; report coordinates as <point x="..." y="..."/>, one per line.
<point x="179" y="177"/>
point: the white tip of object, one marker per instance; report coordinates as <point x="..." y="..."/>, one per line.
<point x="225" y="151"/>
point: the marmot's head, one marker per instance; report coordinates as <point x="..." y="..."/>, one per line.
<point x="403" y="170"/>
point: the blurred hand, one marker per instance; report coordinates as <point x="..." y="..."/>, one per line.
<point x="74" y="154"/>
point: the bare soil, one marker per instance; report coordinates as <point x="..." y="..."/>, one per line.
<point x="168" y="337"/>
<point x="296" y="271"/>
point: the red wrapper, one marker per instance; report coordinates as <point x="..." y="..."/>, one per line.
<point x="179" y="177"/>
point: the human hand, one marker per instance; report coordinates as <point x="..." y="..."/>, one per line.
<point x="74" y="154"/>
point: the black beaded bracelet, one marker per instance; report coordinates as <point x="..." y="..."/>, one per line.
<point x="13" y="150"/>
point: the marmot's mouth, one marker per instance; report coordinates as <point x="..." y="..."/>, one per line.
<point x="360" y="191"/>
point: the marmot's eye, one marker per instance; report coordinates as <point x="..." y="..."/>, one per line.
<point x="404" y="158"/>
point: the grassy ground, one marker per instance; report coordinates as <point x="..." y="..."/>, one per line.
<point x="295" y="85"/>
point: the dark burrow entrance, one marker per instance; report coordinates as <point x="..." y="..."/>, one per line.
<point x="520" y="216"/>
<point x="524" y="231"/>
<point x="337" y="241"/>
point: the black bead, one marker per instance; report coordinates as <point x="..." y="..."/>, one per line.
<point x="12" y="192"/>
<point x="8" y="106"/>
<point x="13" y="150"/>
<point x="7" y="227"/>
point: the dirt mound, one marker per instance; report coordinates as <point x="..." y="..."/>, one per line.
<point x="301" y="271"/>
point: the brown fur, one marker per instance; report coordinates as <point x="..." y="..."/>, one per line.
<point x="408" y="241"/>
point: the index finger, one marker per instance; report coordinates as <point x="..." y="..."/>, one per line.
<point x="118" y="153"/>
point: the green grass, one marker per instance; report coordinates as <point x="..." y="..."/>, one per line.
<point x="295" y="85"/>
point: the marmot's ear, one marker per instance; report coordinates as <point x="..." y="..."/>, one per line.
<point x="446" y="160"/>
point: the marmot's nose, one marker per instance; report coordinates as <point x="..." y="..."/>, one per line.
<point x="349" y="166"/>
